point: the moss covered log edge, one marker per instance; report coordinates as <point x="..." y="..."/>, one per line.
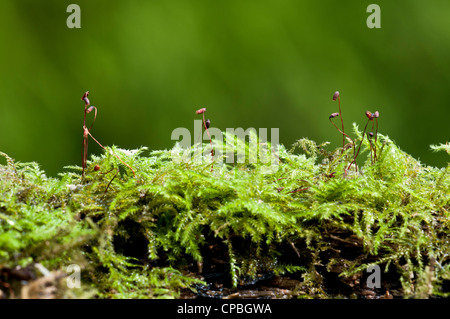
<point x="156" y="234"/>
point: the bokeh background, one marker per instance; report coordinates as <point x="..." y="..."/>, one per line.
<point x="252" y="63"/>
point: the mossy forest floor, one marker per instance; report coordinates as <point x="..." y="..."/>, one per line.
<point x="189" y="229"/>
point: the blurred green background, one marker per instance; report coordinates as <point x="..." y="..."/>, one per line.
<point x="261" y="63"/>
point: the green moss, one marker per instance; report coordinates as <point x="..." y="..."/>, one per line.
<point x="149" y="234"/>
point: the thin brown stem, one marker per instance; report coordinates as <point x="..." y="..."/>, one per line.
<point x="342" y="123"/>
<point x="359" y="147"/>
<point x="84" y="155"/>
<point x="375" y="142"/>
<point x="372" y="147"/>
<point x="207" y="131"/>
<point x="344" y="134"/>
<point x="84" y="147"/>
<point x="111" y="179"/>
<point x="110" y="152"/>
<point x="85" y="136"/>
<point x="376" y="131"/>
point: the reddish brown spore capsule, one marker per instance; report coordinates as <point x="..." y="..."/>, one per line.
<point x="333" y="115"/>
<point x="201" y="111"/>
<point x="85" y="98"/>
<point x="97" y="168"/>
<point x="335" y="95"/>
